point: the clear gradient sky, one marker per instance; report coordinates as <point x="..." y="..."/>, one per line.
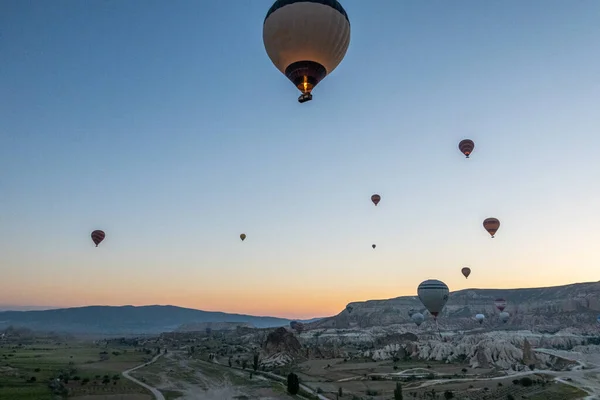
<point x="165" y="124"/>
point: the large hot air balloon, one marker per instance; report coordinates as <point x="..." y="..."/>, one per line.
<point x="480" y="318"/>
<point x="376" y="199"/>
<point x="98" y="236"/>
<point x="243" y="236"/>
<point x="504" y="316"/>
<point x="306" y="40"/>
<point x="466" y="147"/>
<point x="500" y="304"/>
<point x="466" y="271"/>
<point x="491" y="225"/>
<point x="373" y="245"/>
<point x="434" y="295"/>
<point x="418" y="318"/>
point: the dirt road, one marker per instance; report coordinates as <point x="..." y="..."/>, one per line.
<point x="157" y="394"/>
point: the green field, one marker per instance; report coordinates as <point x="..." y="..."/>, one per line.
<point x="27" y="372"/>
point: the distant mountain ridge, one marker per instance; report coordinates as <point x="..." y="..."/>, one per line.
<point x="127" y="319"/>
<point x="542" y="309"/>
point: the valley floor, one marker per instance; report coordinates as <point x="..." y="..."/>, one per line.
<point x="180" y="377"/>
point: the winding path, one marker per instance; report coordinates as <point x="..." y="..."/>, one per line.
<point x="157" y="394"/>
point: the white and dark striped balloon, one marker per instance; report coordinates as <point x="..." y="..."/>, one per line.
<point x="98" y="236"/>
<point x="306" y="39"/>
<point x="491" y="225"/>
<point x="434" y="295"/>
<point x="466" y="147"/>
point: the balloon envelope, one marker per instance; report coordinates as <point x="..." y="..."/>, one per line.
<point x="466" y="271"/>
<point x="491" y="225"/>
<point x="500" y="304"/>
<point x="466" y="147"/>
<point x="376" y="199"/>
<point x="98" y="236"/>
<point x="480" y="318"/>
<point x="434" y="295"/>
<point x="418" y="318"/>
<point x="349" y="308"/>
<point x="373" y="245"/>
<point x="306" y="40"/>
<point x="243" y="236"/>
<point x="504" y="316"/>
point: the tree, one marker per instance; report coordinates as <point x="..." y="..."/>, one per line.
<point x="448" y="395"/>
<point x="229" y="361"/>
<point x="293" y="384"/>
<point x="244" y="364"/>
<point x="340" y="392"/>
<point x="510" y="397"/>
<point x="398" y="391"/>
<point x="255" y="362"/>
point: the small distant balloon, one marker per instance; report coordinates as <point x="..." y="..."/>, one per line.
<point x="373" y="245"/>
<point x="243" y="236"/>
<point x="418" y="318"/>
<point x="500" y="304"/>
<point x="376" y="199"/>
<point x="466" y="271"/>
<point x="480" y="318"/>
<point x="98" y="236"/>
<point x="504" y="316"/>
<point x="491" y="225"/>
<point x="466" y="147"/>
<point x="349" y="308"/>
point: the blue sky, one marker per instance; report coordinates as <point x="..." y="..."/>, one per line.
<point x="166" y="125"/>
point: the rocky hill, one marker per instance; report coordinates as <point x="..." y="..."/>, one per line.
<point x="546" y="309"/>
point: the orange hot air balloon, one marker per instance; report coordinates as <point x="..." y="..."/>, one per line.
<point x="466" y="271"/>
<point x="243" y="236"/>
<point x="491" y="225"/>
<point x="466" y="147"/>
<point x="373" y="245"/>
<point x="376" y="199"/>
<point x="98" y="236"/>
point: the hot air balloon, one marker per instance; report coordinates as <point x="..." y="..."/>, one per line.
<point x="349" y="308"/>
<point x="466" y="271"/>
<point x="243" y="236"/>
<point x="434" y="295"/>
<point x="504" y="316"/>
<point x="306" y="40"/>
<point x="500" y="304"/>
<point x="98" y="236"/>
<point x="466" y="147"/>
<point x="418" y="318"/>
<point x="480" y="318"/>
<point x="411" y="312"/>
<point x="376" y="199"/>
<point x="373" y="245"/>
<point x="491" y="225"/>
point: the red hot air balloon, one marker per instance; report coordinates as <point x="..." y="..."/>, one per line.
<point x="491" y="225"/>
<point x="376" y="199"/>
<point x="466" y="147"/>
<point x="500" y="304"/>
<point x="466" y="271"/>
<point x="98" y="236"/>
